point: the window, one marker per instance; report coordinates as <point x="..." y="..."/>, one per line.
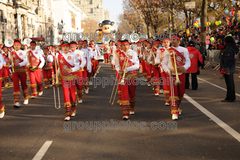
<point x="3" y="36"/>
<point x="91" y="10"/>
<point x="90" y="2"/>
<point x="1" y="16"/>
<point x="79" y="2"/>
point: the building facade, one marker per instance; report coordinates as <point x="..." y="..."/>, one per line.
<point x="37" y="19"/>
<point x="93" y="9"/>
<point x="67" y="15"/>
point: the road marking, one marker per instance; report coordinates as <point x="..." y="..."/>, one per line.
<point x="43" y="150"/>
<point x="216" y="86"/>
<point x="226" y="127"/>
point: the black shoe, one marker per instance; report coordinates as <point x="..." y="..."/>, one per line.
<point x="227" y="100"/>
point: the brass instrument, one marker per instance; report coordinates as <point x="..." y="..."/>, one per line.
<point x="154" y="58"/>
<point x="125" y="65"/>
<point x="115" y="88"/>
<point x="56" y="85"/>
<point x="114" y="92"/>
<point x="175" y="68"/>
<point x="9" y="43"/>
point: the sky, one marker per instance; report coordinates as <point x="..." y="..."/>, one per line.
<point x="115" y="8"/>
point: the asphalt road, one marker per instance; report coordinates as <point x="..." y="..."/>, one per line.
<point x="98" y="131"/>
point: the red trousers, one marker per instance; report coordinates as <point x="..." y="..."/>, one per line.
<point x="16" y="87"/>
<point x="48" y="77"/>
<point x="144" y="69"/>
<point x="85" y="76"/>
<point x="5" y="74"/>
<point x="69" y="96"/>
<point x="79" y="84"/>
<point x="35" y="77"/>
<point x="140" y="68"/>
<point x="156" y="80"/>
<point x="119" y="88"/>
<point x="148" y="68"/>
<point x="106" y="58"/>
<point x="165" y="83"/>
<point x="176" y="93"/>
<point x="2" y="107"/>
<point x="94" y="65"/>
<point x="128" y="97"/>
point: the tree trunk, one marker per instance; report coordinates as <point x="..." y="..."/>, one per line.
<point x="203" y="21"/>
<point x="187" y="20"/>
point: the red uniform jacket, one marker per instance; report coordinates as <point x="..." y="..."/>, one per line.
<point x="194" y="55"/>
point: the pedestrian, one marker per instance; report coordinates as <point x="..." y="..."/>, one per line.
<point x="203" y="52"/>
<point x="228" y="67"/>
<point x="195" y="56"/>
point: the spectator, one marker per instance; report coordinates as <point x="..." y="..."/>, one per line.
<point x="182" y="43"/>
<point x="195" y="56"/>
<point x="203" y="52"/>
<point x="228" y="67"/>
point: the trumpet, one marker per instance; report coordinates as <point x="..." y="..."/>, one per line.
<point x="176" y="71"/>
<point x="56" y="85"/>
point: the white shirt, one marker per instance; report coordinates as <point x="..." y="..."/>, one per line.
<point x="134" y="60"/>
<point x="23" y="56"/>
<point x="98" y="50"/>
<point x="160" y="54"/>
<point x="166" y="64"/>
<point x="73" y="60"/>
<point x="89" y="63"/>
<point x="2" y="61"/>
<point x="49" y="58"/>
<point x="39" y="55"/>
<point x="82" y="57"/>
<point x="93" y="53"/>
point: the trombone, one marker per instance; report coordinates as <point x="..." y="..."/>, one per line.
<point x="175" y="68"/>
<point x="56" y="85"/>
<point x="115" y="89"/>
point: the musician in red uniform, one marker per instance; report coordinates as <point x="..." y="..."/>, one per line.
<point x="35" y="65"/>
<point x="2" y="107"/>
<point x="128" y="88"/>
<point x="148" y="64"/>
<point x="19" y="62"/>
<point x="139" y="49"/>
<point x="143" y="57"/>
<point x="6" y="73"/>
<point x="164" y="75"/>
<point x="82" y="62"/>
<point x="155" y="69"/>
<point x="175" y="63"/>
<point x="47" y="68"/>
<point x="68" y="64"/>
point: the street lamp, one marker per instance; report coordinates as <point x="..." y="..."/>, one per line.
<point x="15" y="4"/>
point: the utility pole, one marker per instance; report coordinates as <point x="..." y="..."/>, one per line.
<point x="15" y="4"/>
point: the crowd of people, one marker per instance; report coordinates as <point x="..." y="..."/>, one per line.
<point x="69" y="61"/>
<point x="165" y="66"/>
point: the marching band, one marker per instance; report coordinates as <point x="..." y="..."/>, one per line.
<point x="163" y="68"/>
